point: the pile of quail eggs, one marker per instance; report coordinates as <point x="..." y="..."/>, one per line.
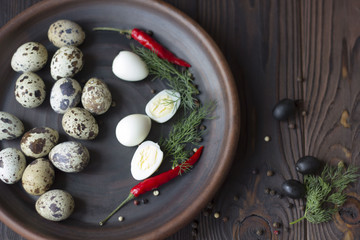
<point x="41" y="144"/>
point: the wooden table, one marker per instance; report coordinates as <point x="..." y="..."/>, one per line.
<point x="304" y="50"/>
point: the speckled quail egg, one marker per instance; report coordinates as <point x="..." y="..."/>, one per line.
<point x="133" y="129"/>
<point x="38" y="176"/>
<point x="55" y="205"/>
<point x="66" y="62"/>
<point x="29" y="57"/>
<point x="65" y="94"/>
<point x="79" y="123"/>
<point x="12" y="165"/>
<point x="129" y="67"/>
<point x="70" y="156"/>
<point x="30" y="90"/>
<point x="10" y="126"/>
<point x="66" y="33"/>
<point x="96" y="96"/>
<point x="38" y="141"/>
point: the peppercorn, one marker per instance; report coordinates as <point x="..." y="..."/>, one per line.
<point x="136" y="202"/>
<point x="236" y="198"/>
<point x="269" y="173"/>
<point x="254" y="171"/>
<point x="267" y="139"/>
<point x="276" y="224"/>
<point x="216" y="215"/>
<point x="299" y="79"/>
<point x="292" y="125"/>
<point x="276" y="232"/>
<point x="194" y="232"/>
<point x="225" y="219"/>
<point x="202" y="127"/>
<point x="290" y="205"/>
<point x="206" y="213"/>
<point x="267" y="190"/>
<point x="156" y="192"/>
<point x="145" y="201"/>
<point x="121" y="218"/>
<point x="153" y="91"/>
<point x="195" y="224"/>
<point x="303" y="113"/>
<point x="259" y="232"/>
<point x="272" y="192"/>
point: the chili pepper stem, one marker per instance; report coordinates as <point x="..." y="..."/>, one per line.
<point x="121" y="31"/>
<point x="128" y="199"/>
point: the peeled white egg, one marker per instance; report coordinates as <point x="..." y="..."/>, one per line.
<point x="146" y="160"/>
<point x="133" y="129"/>
<point x="163" y="105"/>
<point x="129" y="67"/>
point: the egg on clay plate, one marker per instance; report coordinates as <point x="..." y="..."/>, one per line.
<point x="66" y="62"/>
<point x="38" y="141"/>
<point x="38" y="176"/>
<point x="30" y="90"/>
<point x="129" y="67"/>
<point x="29" y="57"/>
<point x="80" y="124"/>
<point x="69" y="156"/>
<point x="96" y="96"/>
<point x="65" y="94"/>
<point x="133" y="129"/>
<point x="12" y="165"/>
<point x="11" y="127"/>
<point x="146" y="160"/>
<point x="163" y="105"/>
<point x="55" y="205"/>
<point x="66" y="33"/>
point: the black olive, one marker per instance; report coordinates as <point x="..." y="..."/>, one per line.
<point x="284" y="109"/>
<point x="293" y="188"/>
<point x="308" y="165"/>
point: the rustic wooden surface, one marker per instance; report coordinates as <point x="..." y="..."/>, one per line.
<point x="304" y="50"/>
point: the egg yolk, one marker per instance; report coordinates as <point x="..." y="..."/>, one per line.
<point x="162" y="106"/>
<point x="147" y="157"/>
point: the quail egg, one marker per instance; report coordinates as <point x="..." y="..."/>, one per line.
<point x="30" y="90"/>
<point x="66" y="33"/>
<point x="38" y="176"/>
<point x="96" y="96"/>
<point x="38" y="141"/>
<point x="66" y="62"/>
<point x="10" y="126"/>
<point x="163" y="106"/>
<point x="79" y="123"/>
<point x="129" y="67"/>
<point x="133" y="129"/>
<point x="12" y="165"/>
<point x="55" y="205"/>
<point x="29" y="57"/>
<point x="69" y="156"/>
<point x="146" y="160"/>
<point x="65" y="94"/>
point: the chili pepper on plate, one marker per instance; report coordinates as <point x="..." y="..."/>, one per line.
<point x="156" y="181"/>
<point x="147" y="41"/>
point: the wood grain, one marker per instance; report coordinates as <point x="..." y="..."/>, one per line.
<point x="270" y="46"/>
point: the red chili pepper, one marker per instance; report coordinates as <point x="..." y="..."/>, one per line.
<point x="155" y="182"/>
<point x="147" y="41"/>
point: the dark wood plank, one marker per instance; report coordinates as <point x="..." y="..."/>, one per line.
<point x="331" y="96"/>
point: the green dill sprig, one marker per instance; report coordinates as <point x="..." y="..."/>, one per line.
<point x="325" y="193"/>
<point x="186" y="131"/>
<point x="179" y="80"/>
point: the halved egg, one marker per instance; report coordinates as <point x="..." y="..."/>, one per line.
<point x="163" y="105"/>
<point x="146" y="160"/>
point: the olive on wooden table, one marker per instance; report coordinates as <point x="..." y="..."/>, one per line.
<point x="284" y="109"/>
<point x="293" y="188"/>
<point x="308" y="165"/>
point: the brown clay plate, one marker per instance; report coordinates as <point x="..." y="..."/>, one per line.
<point x="107" y="179"/>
